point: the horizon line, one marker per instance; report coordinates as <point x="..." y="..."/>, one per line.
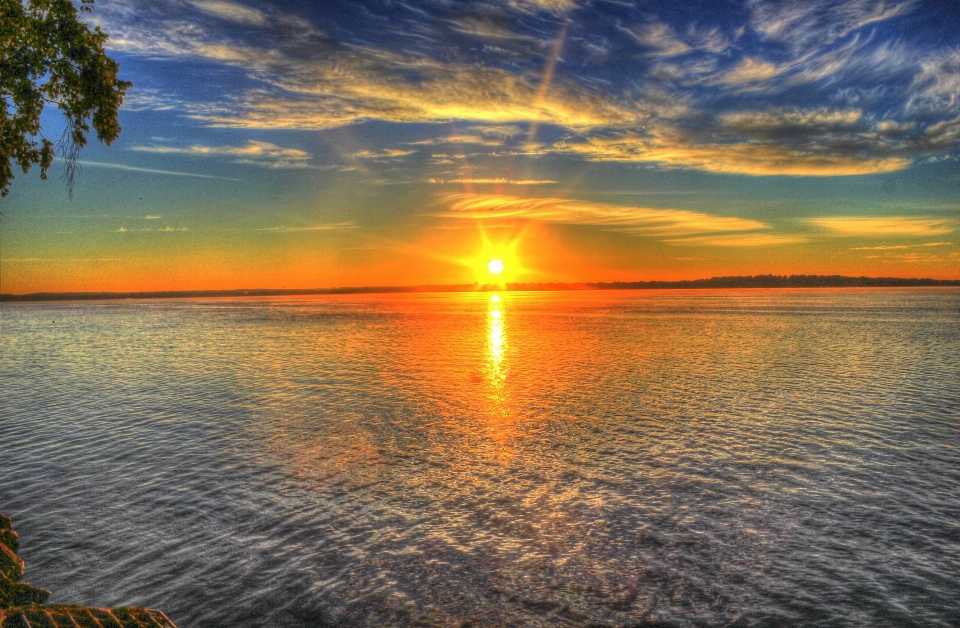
<point x="723" y="282"/>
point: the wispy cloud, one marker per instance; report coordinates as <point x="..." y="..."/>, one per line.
<point x="885" y="226"/>
<point x="387" y="153"/>
<point x="738" y="240"/>
<point x="336" y="226"/>
<point x="553" y="6"/>
<point x="495" y="181"/>
<point x="749" y="158"/>
<point x="658" y="37"/>
<point x="937" y="86"/>
<point x="646" y="221"/>
<point x="362" y="87"/>
<point x="489" y="135"/>
<point x="458" y="139"/>
<point x="262" y="154"/>
<point x="489" y="29"/>
<point x="789" y="124"/>
<point x="56" y="260"/>
<point x="173" y="173"/>
<point x="152" y="99"/>
<point x="231" y="11"/>
<point x="157" y="230"/>
<point x="899" y="246"/>
<point x="751" y="71"/>
<point x="314" y="82"/>
<point x="808" y="23"/>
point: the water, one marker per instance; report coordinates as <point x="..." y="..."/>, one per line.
<point x="693" y="458"/>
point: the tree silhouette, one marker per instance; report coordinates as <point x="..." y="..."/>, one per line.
<point x="49" y="57"/>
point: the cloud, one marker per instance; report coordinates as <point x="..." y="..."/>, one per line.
<point x="817" y="23"/>
<point x="698" y="95"/>
<point x="851" y="63"/>
<point x="314" y="82"/>
<point x="230" y="11"/>
<point x="500" y="132"/>
<point x="488" y="29"/>
<point x="262" y="154"/>
<point x="338" y="85"/>
<point x="936" y="87"/>
<point x="751" y="71"/>
<point x="336" y="226"/>
<point x="784" y="124"/>
<point x="458" y="139"/>
<point x="940" y="135"/>
<point x="898" y="246"/>
<point x="56" y="260"/>
<point x="387" y="153"/>
<point x="172" y="173"/>
<point x="495" y="181"/>
<point x="710" y="39"/>
<point x="748" y="158"/>
<point x="358" y="88"/>
<point x="157" y="230"/>
<point x="738" y="239"/>
<point x="658" y="36"/>
<point x="646" y="221"/>
<point x="552" y="6"/>
<point x="487" y="135"/>
<point x="913" y="258"/>
<point x="885" y="226"/>
<point x="151" y="99"/>
<point x="893" y="128"/>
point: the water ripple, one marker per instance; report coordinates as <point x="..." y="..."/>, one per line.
<point x="687" y="458"/>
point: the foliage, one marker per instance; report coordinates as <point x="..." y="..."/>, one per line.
<point x="49" y="57"/>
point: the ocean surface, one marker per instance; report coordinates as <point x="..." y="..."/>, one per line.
<point x="674" y="458"/>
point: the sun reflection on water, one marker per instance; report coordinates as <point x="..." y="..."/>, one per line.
<point x="496" y="341"/>
<point x="496" y="371"/>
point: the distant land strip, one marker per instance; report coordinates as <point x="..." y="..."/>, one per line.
<point x="751" y="281"/>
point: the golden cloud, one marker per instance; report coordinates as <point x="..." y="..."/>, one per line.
<point x="342" y="91"/>
<point x="885" y="226"/>
<point x="738" y="239"/>
<point x="646" y="221"/>
<point x="494" y="181"/>
<point x="899" y="246"/>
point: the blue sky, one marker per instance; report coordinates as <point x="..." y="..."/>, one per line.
<point x="310" y="144"/>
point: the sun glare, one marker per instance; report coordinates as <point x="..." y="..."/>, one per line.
<point x="495" y="262"/>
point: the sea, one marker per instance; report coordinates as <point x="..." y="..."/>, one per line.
<point x="594" y="458"/>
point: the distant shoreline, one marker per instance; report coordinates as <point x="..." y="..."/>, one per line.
<point x="750" y="281"/>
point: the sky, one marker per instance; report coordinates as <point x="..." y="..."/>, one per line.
<point x="314" y="144"/>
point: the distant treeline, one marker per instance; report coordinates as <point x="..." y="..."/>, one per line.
<point x="781" y="281"/>
<point x="750" y="281"/>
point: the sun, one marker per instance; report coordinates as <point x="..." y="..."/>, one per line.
<point x="495" y="262"/>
